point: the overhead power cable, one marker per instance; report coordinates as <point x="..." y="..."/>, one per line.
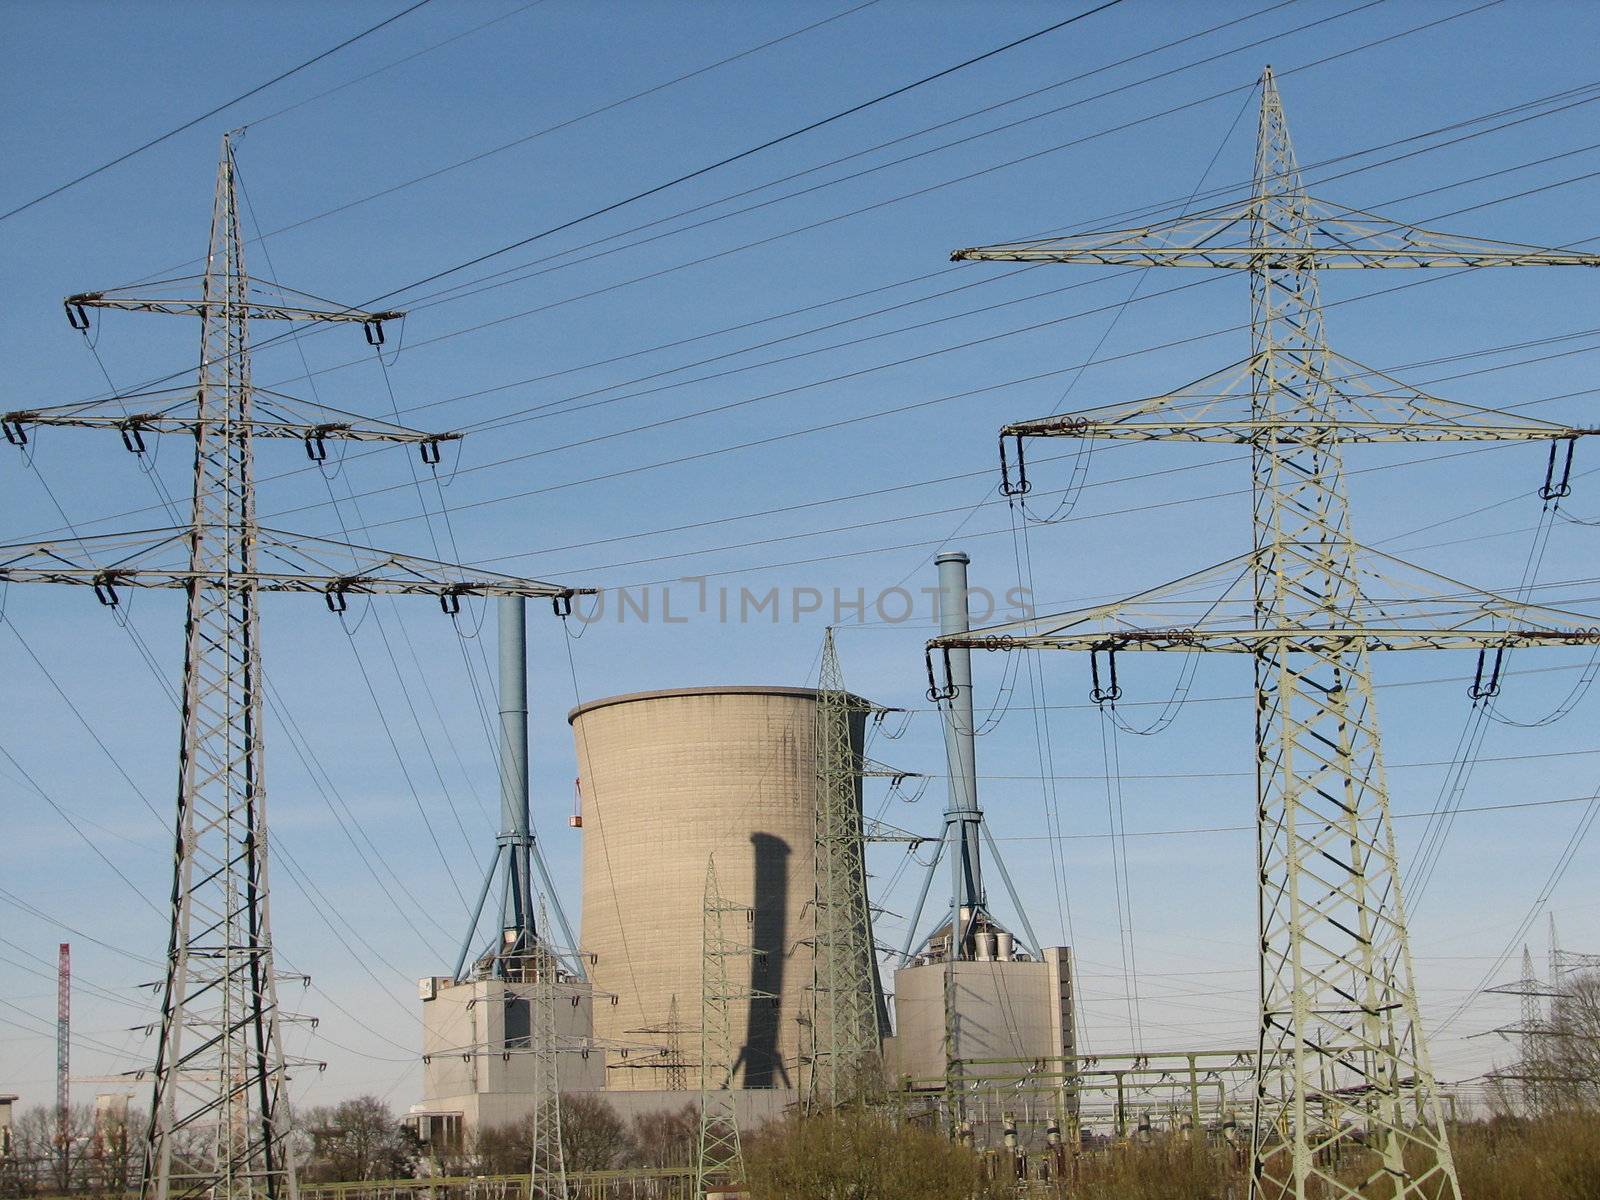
<point x="1028" y="157"/>
<point x="566" y="123"/>
<point x="747" y="153"/>
<point x="257" y="122"/>
<point x="710" y="167"/>
<point x="1573" y="98"/>
<point x="875" y="414"/>
<point x="882" y="145"/>
<point x="564" y="405"/>
<point x="896" y="199"/>
<point x="226" y="104"/>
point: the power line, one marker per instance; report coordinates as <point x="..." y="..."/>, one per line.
<point x="815" y="225"/>
<point x="1080" y="140"/>
<point x="563" y="124"/>
<point x="256" y="122"/>
<point x="746" y="153"/>
<point x="190" y="124"/>
<point x="547" y="488"/>
<point x="1585" y="94"/>
<point x="706" y="169"/>
<point x="916" y="405"/>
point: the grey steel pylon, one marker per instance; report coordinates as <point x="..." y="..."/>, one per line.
<point x="719" y="1156"/>
<point x="670" y="1058"/>
<point x="847" y="1039"/>
<point x="548" y="1178"/>
<point x="1340" y="1035"/>
<point x="219" y="1119"/>
<point x="1534" y="1073"/>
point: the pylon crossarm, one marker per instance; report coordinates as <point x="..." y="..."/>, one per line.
<point x="287" y="563"/>
<point x="1363" y="405"/>
<point x="177" y="410"/>
<point x="871" y="768"/>
<point x="1391" y="605"/>
<point x="1251" y="641"/>
<point x="1229" y="237"/>
<point x="261" y="301"/>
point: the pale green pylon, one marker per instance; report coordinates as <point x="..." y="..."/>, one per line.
<point x="847" y="1038"/>
<point x="1346" y="1106"/>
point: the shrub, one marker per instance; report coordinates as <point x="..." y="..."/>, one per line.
<point x="859" y="1156"/>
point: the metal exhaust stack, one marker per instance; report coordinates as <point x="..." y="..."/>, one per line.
<point x="515" y="841"/>
<point x="516" y="857"/>
<point x="963" y="817"/>
<point x="964" y="826"/>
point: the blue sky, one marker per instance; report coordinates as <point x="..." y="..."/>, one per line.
<point x="770" y="392"/>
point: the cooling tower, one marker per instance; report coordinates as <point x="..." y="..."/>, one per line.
<point x="667" y="779"/>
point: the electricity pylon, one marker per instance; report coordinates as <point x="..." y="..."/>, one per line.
<point x="1534" y="1072"/>
<point x="548" y="1178"/>
<point x="670" y="1051"/>
<point x="219" y="1118"/>
<point x="1340" y="1035"/>
<point x="719" y="1158"/>
<point x="847" y="1039"/>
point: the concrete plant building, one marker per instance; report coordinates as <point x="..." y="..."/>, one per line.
<point x="476" y="1069"/>
<point x="1005" y="1004"/>
<point x="667" y="780"/>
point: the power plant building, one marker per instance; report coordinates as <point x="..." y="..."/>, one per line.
<point x="476" y="1069"/>
<point x="670" y="781"/>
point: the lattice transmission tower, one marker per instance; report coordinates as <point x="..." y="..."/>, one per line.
<point x="64" y="1061"/>
<point x="1533" y="1071"/>
<point x="219" y="1119"/>
<point x="847" y="1038"/>
<point x="1341" y="1043"/>
<point x="719" y="1158"/>
<point x="548" y="1178"/>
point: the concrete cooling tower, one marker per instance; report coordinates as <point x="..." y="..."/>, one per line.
<point x="667" y="779"/>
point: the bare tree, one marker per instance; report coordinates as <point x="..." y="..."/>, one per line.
<point x="115" y="1153"/>
<point x="1572" y="1053"/>
<point x="665" y="1139"/>
<point x="593" y="1137"/>
<point x="55" y="1162"/>
<point x="358" y="1139"/>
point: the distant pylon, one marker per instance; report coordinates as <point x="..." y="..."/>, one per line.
<point x="719" y="1157"/>
<point x="1534" y="1072"/>
<point x="672" y="1061"/>
<point x="847" y="1039"/>
<point x="219" y="1117"/>
<point x="64" y="1061"/>
<point x="548" y="1180"/>
<point x="1340" y="1035"/>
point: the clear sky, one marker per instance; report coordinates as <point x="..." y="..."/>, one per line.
<point x="772" y="377"/>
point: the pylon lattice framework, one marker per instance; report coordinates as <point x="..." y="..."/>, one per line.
<point x="219" y="1121"/>
<point x="846" y="1038"/>
<point x="719" y="1157"/>
<point x="548" y="1179"/>
<point x="1340" y="1035"/>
